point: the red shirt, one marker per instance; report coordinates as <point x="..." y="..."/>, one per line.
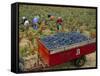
<point x="59" y="21"/>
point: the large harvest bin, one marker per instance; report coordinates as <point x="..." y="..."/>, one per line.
<point x="64" y="54"/>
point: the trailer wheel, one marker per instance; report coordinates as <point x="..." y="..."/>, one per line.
<point x="80" y="61"/>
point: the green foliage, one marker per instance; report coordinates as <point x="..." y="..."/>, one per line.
<point x="71" y="16"/>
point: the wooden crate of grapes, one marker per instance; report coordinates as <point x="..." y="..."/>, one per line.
<point x="63" y="47"/>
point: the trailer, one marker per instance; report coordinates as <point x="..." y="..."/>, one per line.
<point x="75" y="52"/>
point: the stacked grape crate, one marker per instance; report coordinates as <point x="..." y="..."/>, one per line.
<point x="62" y="47"/>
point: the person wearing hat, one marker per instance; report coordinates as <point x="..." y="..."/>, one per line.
<point x="35" y="22"/>
<point x="25" y="22"/>
<point x="59" y="23"/>
<point x="23" y="19"/>
<point x="51" y="17"/>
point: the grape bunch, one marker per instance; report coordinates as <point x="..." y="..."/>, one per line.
<point x="63" y="39"/>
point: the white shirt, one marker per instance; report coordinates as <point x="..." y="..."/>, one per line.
<point x="26" y="23"/>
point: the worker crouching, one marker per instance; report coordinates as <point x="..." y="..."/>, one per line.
<point x="59" y="24"/>
<point x="35" y="22"/>
<point x="25" y="22"/>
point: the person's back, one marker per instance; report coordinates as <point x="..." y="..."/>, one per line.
<point x="35" y="22"/>
<point x="59" y="20"/>
<point x="59" y="23"/>
<point x="26" y="23"/>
